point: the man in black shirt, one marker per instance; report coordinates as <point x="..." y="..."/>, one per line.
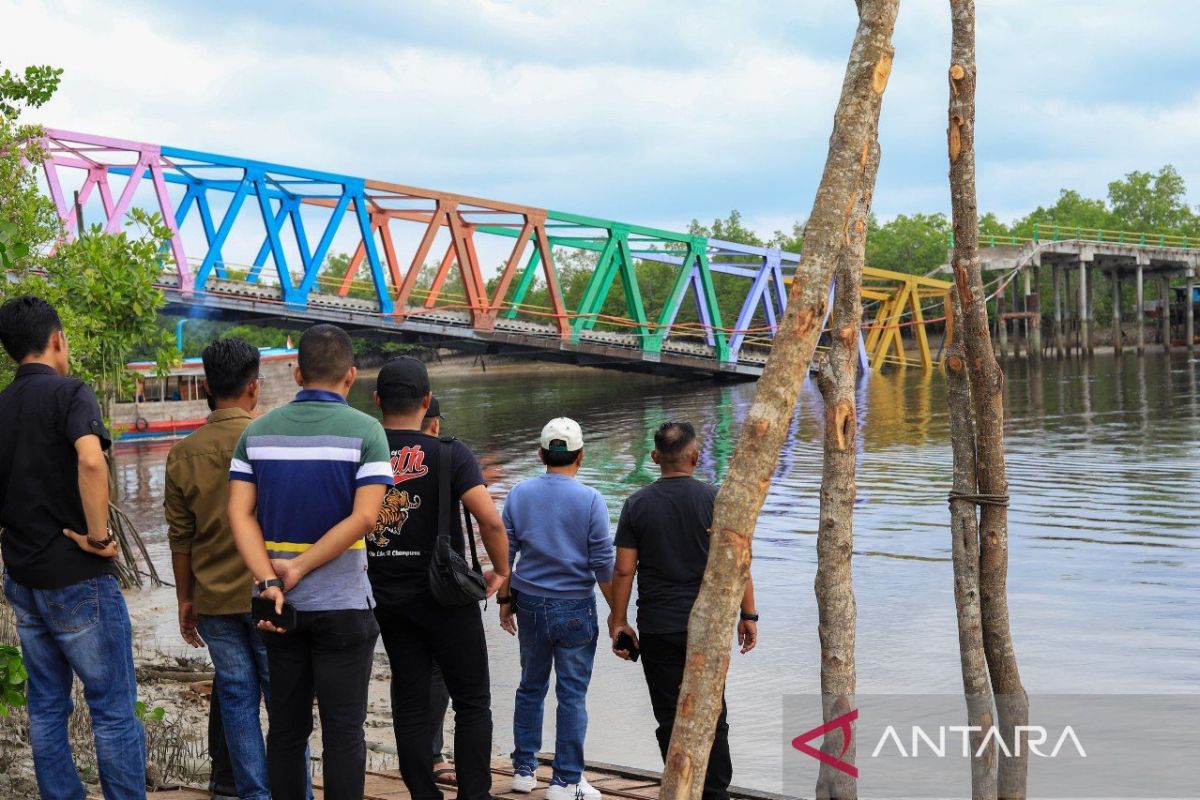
<point x="59" y="574"/>
<point x="416" y="629"/>
<point x="662" y="537"/>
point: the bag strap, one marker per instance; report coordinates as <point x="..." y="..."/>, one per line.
<point x="445" y="458"/>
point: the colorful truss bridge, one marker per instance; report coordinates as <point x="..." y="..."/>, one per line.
<point x="255" y="239"/>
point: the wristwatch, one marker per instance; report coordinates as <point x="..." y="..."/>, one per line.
<point x="262" y="586"/>
<point x="503" y="600"/>
<point x="750" y="617"/>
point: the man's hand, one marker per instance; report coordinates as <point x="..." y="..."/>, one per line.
<point x="274" y="594"/>
<point x="187" y="625"/>
<point x="747" y="635"/>
<point x="80" y="539"/>
<point x="615" y="630"/>
<point x="493" y="581"/>
<point x="288" y="571"/>
<point x="508" y="618"/>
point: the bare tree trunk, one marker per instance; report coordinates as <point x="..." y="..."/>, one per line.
<point x="837" y="379"/>
<point x="986" y="381"/>
<point x="964" y="534"/>
<point x="766" y="425"/>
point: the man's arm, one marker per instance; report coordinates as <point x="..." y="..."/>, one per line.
<point x="622" y="588"/>
<point x="491" y="530"/>
<point x="747" y="631"/>
<point x="181" y="530"/>
<point x="93" y="492"/>
<point x="600" y="548"/>
<point x="367" y="501"/>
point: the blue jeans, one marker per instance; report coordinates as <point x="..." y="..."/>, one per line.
<point x="240" y="660"/>
<point x="83" y="629"/>
<point x="561" y="633"/>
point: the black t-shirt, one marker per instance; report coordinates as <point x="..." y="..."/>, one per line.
<point x="667" y="522"/>
<point x="400" y="547"/>
<point x="41" y="416"/>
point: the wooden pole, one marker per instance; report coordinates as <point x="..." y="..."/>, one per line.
<point x="1116" y="311"/>
<point x="1139" y="311"/>
<point x="836" y="610"/>
<point x="964" y="539"/>
<point x="767" y="421"/>
<point x="987" y="397"/>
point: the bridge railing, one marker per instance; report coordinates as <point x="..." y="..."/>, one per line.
<point x="1056" y="233"/>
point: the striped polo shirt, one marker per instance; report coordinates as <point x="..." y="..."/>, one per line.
<point x="307" y="459"/>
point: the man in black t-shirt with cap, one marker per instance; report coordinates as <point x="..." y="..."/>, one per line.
<point x="662" y="536"/>
<point x="416" y="629"/>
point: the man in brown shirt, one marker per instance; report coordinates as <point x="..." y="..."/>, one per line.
<point x="212" y="583"/>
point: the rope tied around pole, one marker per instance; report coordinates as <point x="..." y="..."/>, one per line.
<point x="979" y="499"/>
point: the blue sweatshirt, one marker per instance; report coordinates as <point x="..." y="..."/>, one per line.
<point x="558" y="536"/>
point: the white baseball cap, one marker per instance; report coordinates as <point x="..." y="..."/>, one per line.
<point x="562" y="434"/>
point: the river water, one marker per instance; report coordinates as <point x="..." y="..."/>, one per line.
<point x="1104" y="468"/>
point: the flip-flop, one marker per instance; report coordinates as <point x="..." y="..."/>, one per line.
<point x="440" y="776"/>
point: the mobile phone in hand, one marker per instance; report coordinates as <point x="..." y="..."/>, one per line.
<point x="263" y="610"/>
<point x="625" y="642"/>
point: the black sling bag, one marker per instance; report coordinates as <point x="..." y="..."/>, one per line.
<point x="452" y="581"/>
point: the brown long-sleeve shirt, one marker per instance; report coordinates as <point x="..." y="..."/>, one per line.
<point x="197" y="493"/>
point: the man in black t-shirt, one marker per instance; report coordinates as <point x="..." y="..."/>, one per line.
<point x="58" y="559"/>
<point x="662" y="537"/>
<point x="416" y="629"/>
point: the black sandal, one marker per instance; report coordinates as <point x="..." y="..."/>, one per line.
<point x="439" y="776"/>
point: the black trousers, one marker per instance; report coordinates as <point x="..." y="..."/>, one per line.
<point x="439" y="702"/>
<point x="329" y="657"/>
<point x="415" y="635"/>
<point x="663" y="657"/>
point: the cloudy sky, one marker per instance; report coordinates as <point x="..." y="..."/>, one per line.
<point x="654" y="113"/>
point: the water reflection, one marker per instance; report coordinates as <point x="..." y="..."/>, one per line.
<point x="1104" y="551"/>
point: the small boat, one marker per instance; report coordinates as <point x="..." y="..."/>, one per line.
<point x="174" y="405"/>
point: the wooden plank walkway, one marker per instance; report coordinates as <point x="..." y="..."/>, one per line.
<point x="624" y="783"/>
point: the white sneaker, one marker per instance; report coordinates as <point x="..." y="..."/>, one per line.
<point x="573" y="791"/>
<point x="524" y="783"/>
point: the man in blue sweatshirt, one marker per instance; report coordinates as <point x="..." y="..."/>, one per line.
<point x="558" y="535"/>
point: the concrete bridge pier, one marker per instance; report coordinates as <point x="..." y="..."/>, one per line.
<point x="1116" y="311"/>
<point x="1190" y="314"/>
<point x="1164" y="311"/>
<point x="1085" y="334"/>
<point x="1140" y="309"/>
<point x="1056" y="279"/>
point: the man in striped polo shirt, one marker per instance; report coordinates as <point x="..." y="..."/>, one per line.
<point x="306" y="484"/>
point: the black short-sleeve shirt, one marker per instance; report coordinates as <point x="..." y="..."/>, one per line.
<point x="401" y="546"/>
<point x="667" y="522"/>
<point x="42" y="414"/>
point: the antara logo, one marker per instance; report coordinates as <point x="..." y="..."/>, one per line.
<point x="408" y="463"/>
<point x="1033" y="736"/>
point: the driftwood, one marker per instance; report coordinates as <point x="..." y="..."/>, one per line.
<point x="766" y="425"/>
<point x="987" y="383"/>
<point x="964" y="535"/>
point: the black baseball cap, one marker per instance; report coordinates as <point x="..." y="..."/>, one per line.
<point x="435" y="409"/>
<point x="401" y="378"/>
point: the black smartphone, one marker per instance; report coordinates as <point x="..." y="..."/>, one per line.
<point x="625" y="642"/>
<point x="263" y="609"/>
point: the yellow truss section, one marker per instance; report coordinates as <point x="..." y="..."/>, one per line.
<point x="900" y="298"/>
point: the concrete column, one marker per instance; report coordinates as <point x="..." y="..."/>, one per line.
<point x="1056" y="279"/>
<point x="1027" y="327"/>
<point x="1139" y="312"/>
<point x="1084" y="334"/>
<point x="1164" y="316"/>
<point x="1190" y="315"/>
<point x="1016" y="328"/>
<point x="1116" y="317"/>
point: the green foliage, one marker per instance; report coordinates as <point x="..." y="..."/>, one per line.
<point x="12" y="679"/>
<point x="1152" y="203"/>
<point x="914" y="244"/>
<point x="31" y="89"/>
<point x="145" y="714"/>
